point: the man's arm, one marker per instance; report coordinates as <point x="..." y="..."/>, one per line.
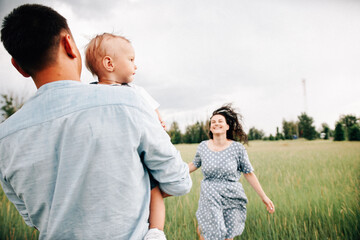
<point x="161" y="157"/>
<point x="18" y="203"/>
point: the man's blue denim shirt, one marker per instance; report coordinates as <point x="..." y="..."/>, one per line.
<point x="72" y="161"/>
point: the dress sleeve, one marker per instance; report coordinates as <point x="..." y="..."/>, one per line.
<point x="197" y="158"/>
<point x="244" y="164"/>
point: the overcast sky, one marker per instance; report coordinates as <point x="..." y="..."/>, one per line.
<point x="194" y="56"/>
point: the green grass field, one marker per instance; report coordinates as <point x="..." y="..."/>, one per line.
<point x="313" y="184"/>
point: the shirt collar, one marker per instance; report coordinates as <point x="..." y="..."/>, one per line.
<point x="57" y="84"/>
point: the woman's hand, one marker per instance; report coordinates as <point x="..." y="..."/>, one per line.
<point x="269" y="204"/>
<point x="191" y="167"/>
<point x="254" y="182"/>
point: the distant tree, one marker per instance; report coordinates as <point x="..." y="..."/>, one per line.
<point x="348" y="121"/>
<point x="175" y="133"/>
<point x="325" y="130"/>
<point x="271" y="137"/>
<point x="255" y="134"/>
<point x="206" y="126"/>
<point x="195" y="133"/>
<point x="278" y="135"/>
<point x="203" y="131"/>
<point x="354" y="133"/>
<point x="289" y="129"/>
<point x="339" y="134"/>
<point x="306" y="128"/>
<point x="189" y="136"/>
<point x="10" y="105"/>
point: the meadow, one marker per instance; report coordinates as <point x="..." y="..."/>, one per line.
<point x="313" y="184"/>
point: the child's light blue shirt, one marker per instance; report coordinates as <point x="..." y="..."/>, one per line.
<point x="72" y="161"/>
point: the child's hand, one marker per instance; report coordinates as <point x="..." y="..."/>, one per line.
<point x="163" y="124"/>
<point x="165" y="195"/>
<point x="160" y="119"/>
<point x="269" y="205"/>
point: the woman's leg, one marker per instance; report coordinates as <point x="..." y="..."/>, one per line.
<point x="199" y="234"/>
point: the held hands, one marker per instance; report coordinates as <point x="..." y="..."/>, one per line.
<point x="269" y="204"/>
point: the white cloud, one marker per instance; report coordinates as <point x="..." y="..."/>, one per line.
<point x="193" y="56"/>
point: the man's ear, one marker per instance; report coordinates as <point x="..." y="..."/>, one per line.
<point x="70" y="46"/>
<point x="19" y="69"/>
<point x="108" y="64"/>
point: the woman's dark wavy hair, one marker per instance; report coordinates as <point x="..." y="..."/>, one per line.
<point x="233" y="119"/>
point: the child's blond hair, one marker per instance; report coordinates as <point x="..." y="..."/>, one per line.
<point x="94" y="51"/>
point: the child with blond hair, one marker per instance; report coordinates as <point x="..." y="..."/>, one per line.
<point x="112" y="59"/>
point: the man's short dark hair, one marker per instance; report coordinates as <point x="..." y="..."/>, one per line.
<point x="31" y="35"/>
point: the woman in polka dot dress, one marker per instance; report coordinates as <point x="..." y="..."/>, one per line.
<point x="222" y="205"/>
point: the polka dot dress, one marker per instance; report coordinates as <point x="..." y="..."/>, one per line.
<point x="222" y="204"/>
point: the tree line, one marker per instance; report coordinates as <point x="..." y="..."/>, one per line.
<point x="346" y="128"/>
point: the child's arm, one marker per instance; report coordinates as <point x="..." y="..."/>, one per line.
<point x="254" y="182"/>
<point x="160" y="119"/>
<point x="192" y="167"/>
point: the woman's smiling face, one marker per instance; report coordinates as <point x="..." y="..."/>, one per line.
<point x="218" y="124"/>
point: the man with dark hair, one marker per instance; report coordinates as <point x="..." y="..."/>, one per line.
<point x="74" y="165"/>
<point x="42" y="34"/>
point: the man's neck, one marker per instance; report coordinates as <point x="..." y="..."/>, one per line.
<point x="54" y="74"/>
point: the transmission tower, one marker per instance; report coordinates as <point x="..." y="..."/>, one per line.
<point x="305" y="102"/>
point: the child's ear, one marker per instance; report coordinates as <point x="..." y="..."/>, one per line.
<point x="108" y="64"/>
<point x="20" y="70"/>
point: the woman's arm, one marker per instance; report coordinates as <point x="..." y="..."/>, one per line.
<point x="254" y="182"/>
<point x="192" y="167"/>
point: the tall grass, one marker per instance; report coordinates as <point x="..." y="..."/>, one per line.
<point x="12" y="226"/>
<point x="313" y="184"/>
